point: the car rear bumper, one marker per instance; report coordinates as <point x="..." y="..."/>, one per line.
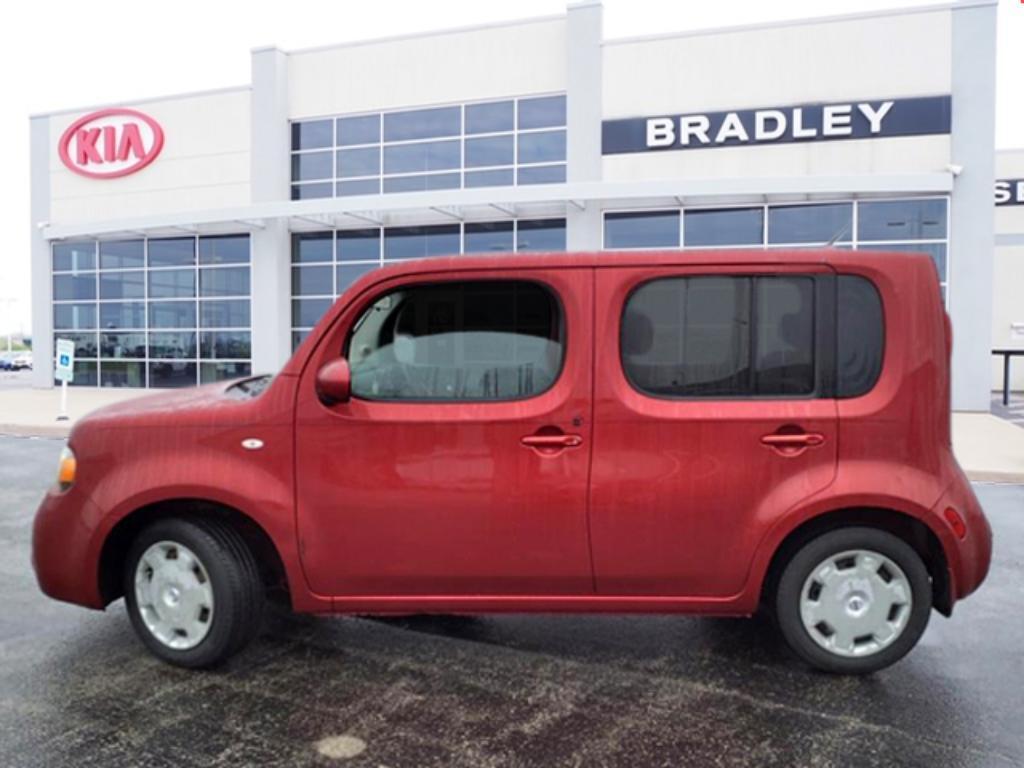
<point x="65" y="565"/>
<point x="969" y="557"/>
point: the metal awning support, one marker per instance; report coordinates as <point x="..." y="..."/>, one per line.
<point x="364" y="217"/>
<point x="509" y="211"/>
<point x="446" y="211"/>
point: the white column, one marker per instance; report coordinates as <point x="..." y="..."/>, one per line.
<point x="270" y="144"/>
<point x="42" y="285"/>
<point x="972" y="216"/>
<point x="583" y="119"/>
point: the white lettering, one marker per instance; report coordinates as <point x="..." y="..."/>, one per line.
<point x="799" y="132"/>
<point x="661" y="132"/>
<point x="1003" y="192"/>
<point x="875" y="116"/>
<point x="761" y="130"/>
<point x="695" y="126"/>
<point x="1020" y="191"/>
<point x="732" y="128"/>
<point x="836" y="120"/>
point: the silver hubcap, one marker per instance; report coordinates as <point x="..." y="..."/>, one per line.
<point x="856" y="603"/>
<point x="174" y="595"/>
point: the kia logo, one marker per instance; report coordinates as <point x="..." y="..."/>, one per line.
<point x="111" y="143"/>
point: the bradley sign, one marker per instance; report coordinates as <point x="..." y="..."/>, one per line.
<point x="779" y="125"/>
<point x="111" y="143"/>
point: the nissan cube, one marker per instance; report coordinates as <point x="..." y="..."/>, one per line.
<point x="705" y="432"/>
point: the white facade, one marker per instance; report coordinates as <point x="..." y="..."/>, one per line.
<point x="230" y="164"/>
<point x="1008" y="269"/>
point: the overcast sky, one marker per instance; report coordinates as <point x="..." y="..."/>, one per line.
<point x="58" y="54"/>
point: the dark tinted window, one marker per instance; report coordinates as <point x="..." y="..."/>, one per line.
<point x="312" y="165"/>
<point x="721" y="336"/>
<point x="488" y="237"/>
<point x="541" y="112"/>
<point x="422" y="123"/>
<point x="312" y="134"/>
<point x="818" y="224"/>
<point x="358" y="130"/>
<point x="122" y="254"/>
<point x="540" y="235"/>
<point x="74" y="256"/>
<point x="489" y="118"/>
<point x="902" y="220"/>
<point x="861" y="336"/>
<point x="736" y="226"/>
<point x="488" y="340"/>
<point x="314" y="246"/>
<point x="642" y="229"/>
<point x="419" y="242"/>
<point x="172" y="252"/>
<point x="224" y="249"/>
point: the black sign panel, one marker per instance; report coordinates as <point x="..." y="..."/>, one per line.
<point x="779" y="125"/>
<point x="1010" y="192"/>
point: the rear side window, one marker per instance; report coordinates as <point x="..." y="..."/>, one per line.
<point x="860" y="336"/>
<point x="473" y="341"/>
<point x="724" y="336"/>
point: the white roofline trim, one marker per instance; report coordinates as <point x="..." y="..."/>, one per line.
<point x="147" y="100"/>
<point x="433" y="33"/>
<point x="510" y="197"/>
<point x="957" y="5"/>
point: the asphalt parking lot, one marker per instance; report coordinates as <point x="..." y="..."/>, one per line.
<point x="76" y="688"/>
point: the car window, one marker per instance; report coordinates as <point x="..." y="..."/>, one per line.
<point x="712" y="336"/>
<point x="860" y="336"/>
<point x="467" y="341"/>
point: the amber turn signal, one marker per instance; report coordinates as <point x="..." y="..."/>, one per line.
<point x="66" y="469"/>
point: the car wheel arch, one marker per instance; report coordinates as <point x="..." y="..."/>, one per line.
<point x="118" y="540"/>
<point x="908" y="527"/>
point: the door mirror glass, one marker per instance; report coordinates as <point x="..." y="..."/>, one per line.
<point x="334" y="382"/>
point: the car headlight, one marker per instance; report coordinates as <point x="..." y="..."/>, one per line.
<point x="66" y="469"/>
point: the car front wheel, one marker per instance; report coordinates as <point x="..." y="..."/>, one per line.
<point x="193" y="591"/>
<point x="853" y="600"/>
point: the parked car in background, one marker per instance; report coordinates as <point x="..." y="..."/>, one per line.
<point x="21" y="361"/>
<point x="713" y="432"/>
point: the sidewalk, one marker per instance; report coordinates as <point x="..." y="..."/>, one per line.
<point x="988" y="448"/>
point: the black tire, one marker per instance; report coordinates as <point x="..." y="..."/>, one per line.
<point x="238" y="593"/>
<point x="807" y="558"/>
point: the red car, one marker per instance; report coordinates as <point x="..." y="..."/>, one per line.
<point x="710" y="432"/>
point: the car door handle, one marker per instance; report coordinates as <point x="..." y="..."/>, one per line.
<point x="799" y="440"/>
<point x="552" y="441"/>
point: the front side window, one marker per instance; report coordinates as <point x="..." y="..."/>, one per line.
<point x="721" y="337"/>
<point x="473" y="341"/>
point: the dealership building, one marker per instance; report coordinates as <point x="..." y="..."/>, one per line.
<point x="184" y="239"/>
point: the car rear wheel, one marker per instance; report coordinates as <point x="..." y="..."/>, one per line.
<point x="853" y="601"/>
<point x="193" y="591"/>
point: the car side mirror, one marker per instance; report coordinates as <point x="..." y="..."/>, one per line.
<point x="334" y="382"/>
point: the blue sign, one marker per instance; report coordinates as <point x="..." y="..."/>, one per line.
<point x="65" y="361"/>
<point x="779" y="125"/>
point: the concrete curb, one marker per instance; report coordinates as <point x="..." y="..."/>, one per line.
<point x="20" y="430"/>
<point x="1006" y="478"/>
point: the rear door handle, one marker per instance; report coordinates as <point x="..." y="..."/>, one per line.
<point x="800" y="440"/>
<point x="552" y="441"/>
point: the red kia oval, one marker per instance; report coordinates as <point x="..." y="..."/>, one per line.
<point x="97" y="140"/>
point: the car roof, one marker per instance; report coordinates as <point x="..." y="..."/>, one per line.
<point x="838" y="257"/>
